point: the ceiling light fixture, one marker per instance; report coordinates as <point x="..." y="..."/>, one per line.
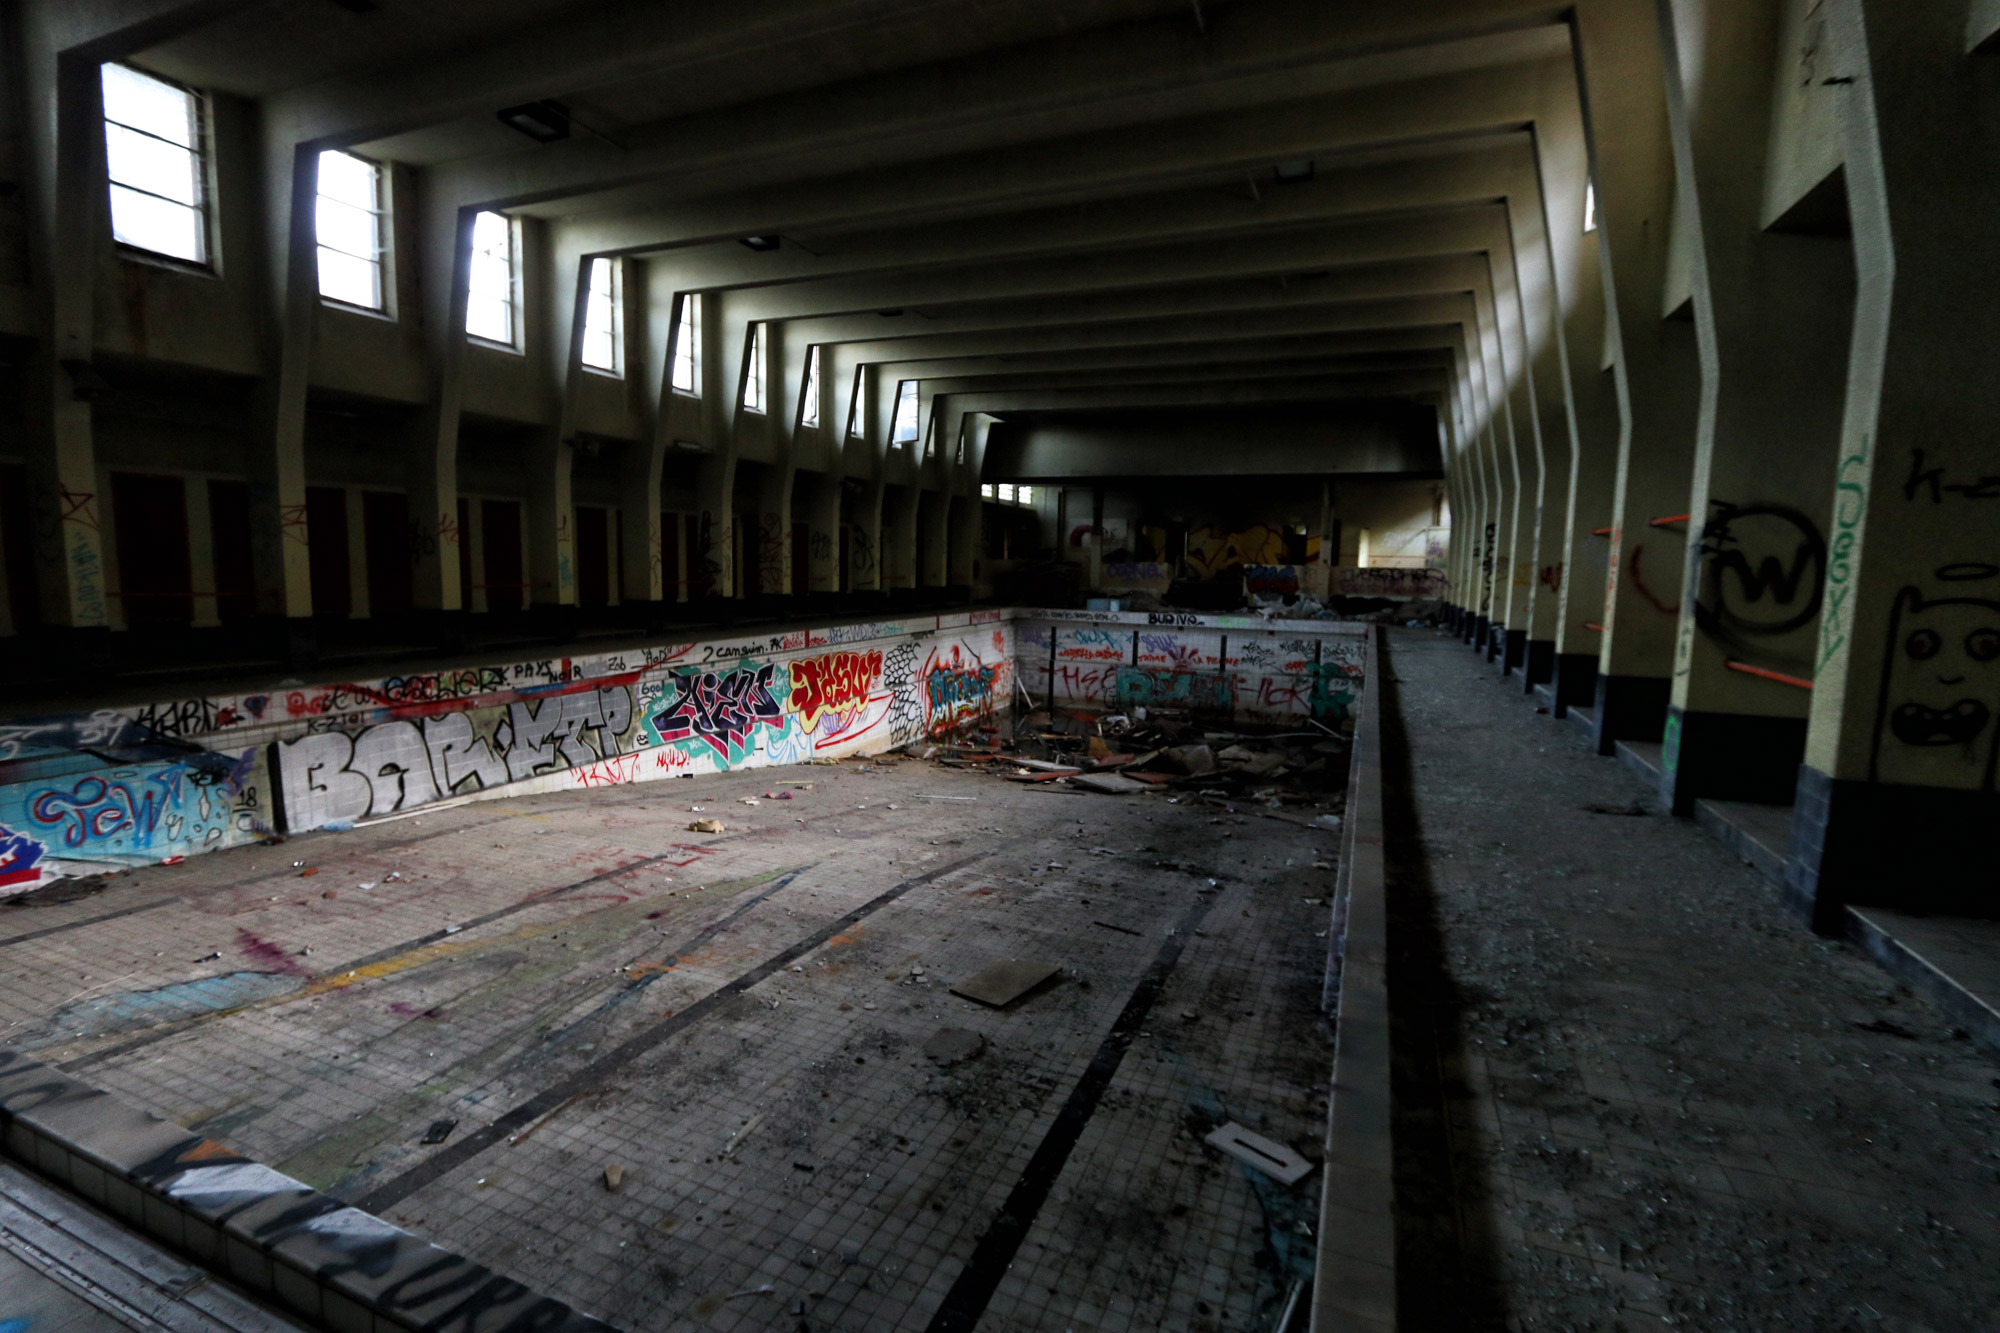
<point x="1294" y="171"/>
<point x="545" y="121"/>
<point x="763" y="243"/>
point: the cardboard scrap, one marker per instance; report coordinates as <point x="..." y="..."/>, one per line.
<point x="1274" y="1159"/>
<point x="1005" y="982"/>
<point x="705" y="826"/>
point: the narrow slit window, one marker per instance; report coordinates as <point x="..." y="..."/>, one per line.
<point x="753" y="373"/>
<point x="1590" y="206"/>
<point x="153" y="153"/>
<point x="906" y="413"/>
<point x="348" y="224"/>
<point x="687" y="343"/>
<point x="854" y="430"/>
<point x="809" y="400"/>
<point x="492" y="305"/>
<point x="603" y="325"/>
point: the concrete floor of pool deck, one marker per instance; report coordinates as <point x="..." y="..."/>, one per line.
<point x="1633" y="1091"/>
<point x="790" y="1158"/>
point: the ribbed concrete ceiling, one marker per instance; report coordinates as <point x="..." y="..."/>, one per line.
<point x="1053" y="196"/>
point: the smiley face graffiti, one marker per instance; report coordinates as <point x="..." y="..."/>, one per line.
<point x="1935" y="724"/>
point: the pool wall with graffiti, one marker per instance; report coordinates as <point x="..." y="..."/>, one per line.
<point x="1239" y="670"/>
<point x="143" y="784"/>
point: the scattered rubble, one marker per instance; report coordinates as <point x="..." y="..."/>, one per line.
<point x="951" y="1046"/>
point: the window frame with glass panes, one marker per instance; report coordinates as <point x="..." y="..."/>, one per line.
<point x="604" y="318"/>
<point x="358" y="213"/>
<point x="754" y="388"/>
<point x="687" y="346"/>
<point x="157" y="173"/>
<point x="511" y="260"/>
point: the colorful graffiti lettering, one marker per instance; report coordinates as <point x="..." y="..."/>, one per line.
<point x="837" y="682"/>
<point x="97" y="809"/>
<point x="20" y="858"/>
<point x="1269" y="580"/>
<point x="721" y="710"/>
<point x="956" y="689"/>
<point x="397" y="765"/>
<point x="1198" y="691"/>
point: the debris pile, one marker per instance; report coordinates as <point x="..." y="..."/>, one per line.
<point x="1300" y="776"/>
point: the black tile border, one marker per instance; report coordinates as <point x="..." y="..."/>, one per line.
<point x="1354" y="1284"/>
<point x="345" y="1270"/>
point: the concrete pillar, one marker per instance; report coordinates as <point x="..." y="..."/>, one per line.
<point x="899" y="536"/>
<point x="865" y="539"/>
<point x="201" y="552"/>
<point x="554" y="350"/>
<point x="1624" y="98"/>
<point x="934" y="514"/>
<point x="1773" y="314"/>
<point x="115" y="611"/>
<point x="823" y="526"/>
<point x="1897" y="798"/>
<point x="714" y="526"/>
<point x="473" y="534"/>
<point x="72" y="567"/>
<point x="1545" y="209"/>
<point x="639" y="553"/>
<point x="431" y="468"/>
<point x="772" y="548"/>
<point x="357" y="553"/>
<point x="1581" y="558"/>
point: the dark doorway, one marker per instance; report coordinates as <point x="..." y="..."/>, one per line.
<point x="593" y="563"/>
<point x="229" y="538"/>
<point x="500" y="531"/>
<point x="749" y="557"/>
<point x="385" y="528"/>
<point x="326" y="551"/>
<point x="17" y="526"/>
<point x="801" y="557"/>
<point x="670" y="556"/>
<point x="464" y="553"/>
<point x="700" y="583"/>
<point x="150" y="518"/>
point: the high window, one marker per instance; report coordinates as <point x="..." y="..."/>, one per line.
<point x="1025" y="494"/>
<point x="906" y="413"/>
<point x="153" y="149"/>
<point x="753" y="374"/>
<point x="492" y="305"/>
<point x="854" y="430"/>
<point x="687" y="343"/>
<point x="1007" y="491"/>
<point x="348" y="221"/>
<point x="603" y="318"/>
<point x="809" y="399"/>
<point x="986" y="489"/>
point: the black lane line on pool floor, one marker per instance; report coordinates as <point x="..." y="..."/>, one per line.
<point x="398" y="1188"/>
<point x="603" y="1012"/>
<point x="969" y="1296"/>
<point x="160" y="1034"/>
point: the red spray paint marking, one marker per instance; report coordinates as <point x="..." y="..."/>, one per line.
<point x="274" y="958"/>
